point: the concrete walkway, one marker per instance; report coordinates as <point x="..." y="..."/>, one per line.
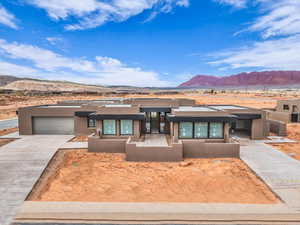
<point x="153" y="140"/>
<point x="75" y="145"/>
<point x="278" y="170"/>
<point x="21" y="164"/>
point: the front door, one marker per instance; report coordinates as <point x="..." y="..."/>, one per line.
<point x="156" y="123"/>
<point x="295" y="118"/>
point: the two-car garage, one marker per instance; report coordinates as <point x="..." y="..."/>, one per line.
<point x="53" y="125"/>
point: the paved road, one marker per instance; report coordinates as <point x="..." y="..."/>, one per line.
<point x="21" y="164"/>
<point x="5" y="124"/>
<point x="130" y="224"/>
<point x="280" y="171"/>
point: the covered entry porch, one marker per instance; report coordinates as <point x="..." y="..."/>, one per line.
<point x="156" y="122"/>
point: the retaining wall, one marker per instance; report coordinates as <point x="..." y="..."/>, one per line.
<point x="171" y="153"/>
<point x="201" y="149"/>
<point x="96" y="144"/>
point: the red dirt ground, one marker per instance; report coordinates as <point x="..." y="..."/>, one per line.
<point x="292" y="149"/>
<point x="100" y="177"/>
<point x="8" y="131"/>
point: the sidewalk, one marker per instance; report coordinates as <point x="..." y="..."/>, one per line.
<point x="278" y="170"/>
<point x="21" y="164"/>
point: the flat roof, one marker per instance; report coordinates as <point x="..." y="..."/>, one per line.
<point x="59" y="106"/>
<point x="194" y="109"/>
<point x="224" y="107"/>
<point x="118" y="105"/>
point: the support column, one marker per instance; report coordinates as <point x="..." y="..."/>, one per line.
<point x="136" y="129"/>
<point x="175" y="132"/>
<point x="226" y="132"/>
<point x="99" y="126"/>
<point x="118" y="122"/>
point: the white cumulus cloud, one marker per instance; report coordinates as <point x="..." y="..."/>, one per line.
<point x="101" y="70"/>
<point x="281" y="54"/>
<point x="7" y="19"/>
<point x="235" y="3"/>
<point x="94" y="13"/>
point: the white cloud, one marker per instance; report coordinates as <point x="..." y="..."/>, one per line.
<point x="7" y="18"/>
<point x="94" y="13"/>
<point x="102" y="70"/>
<point x="235" y="3"/>
<point x="54" y="40"/>
<point x="13" y="69"/>
<point x="279" y="26"/>
<point x="281" y="17"/>
<point x="271" y="54"/>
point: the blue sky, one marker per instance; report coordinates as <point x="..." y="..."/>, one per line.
<point x="146" y="42"/>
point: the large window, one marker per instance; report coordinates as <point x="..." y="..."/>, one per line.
<point x="201" y="130"/>
<point x="186" y="130"/>
<point x="216" y="130"/>
<point x="91" y="122"/>
<point x="126" y="127"/>
<point x="109" y="127"/>
<point x="286" y="107"/>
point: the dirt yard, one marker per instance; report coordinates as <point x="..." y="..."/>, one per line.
<point x="9" y="103"/>
<point x="292" y="149"/>
<point x="8" y="131"/>
<point x="100" y="177"/>
<point x="4" y="141"/>
<point x="83" y="138"/>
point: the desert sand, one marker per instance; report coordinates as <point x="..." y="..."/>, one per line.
<point x="292" y="149"/>
<point x="9" y="103"/>
<point x="101" y="177"/>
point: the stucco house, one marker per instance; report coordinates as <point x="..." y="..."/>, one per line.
<point x="149" y="129"/>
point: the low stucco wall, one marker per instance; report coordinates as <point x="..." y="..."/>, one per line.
<point x="279" y="116"/>
<point x="201" y="149"/>
<point x="278" y="127"/>
<point x="172" y="153"/>
<point x="96" y="144"/>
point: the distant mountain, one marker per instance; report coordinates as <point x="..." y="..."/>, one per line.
<point x="266" y="78"/>
<point x="4" y="80"/>
<point x="28" y="84"/>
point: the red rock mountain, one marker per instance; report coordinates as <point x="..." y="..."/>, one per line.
<point x="266" y="78"/>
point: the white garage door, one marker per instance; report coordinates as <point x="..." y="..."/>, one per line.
<point x="53" y="125"/>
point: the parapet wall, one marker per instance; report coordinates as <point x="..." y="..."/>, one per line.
<point x="279" y="116"/>
<point x="278" y="127"/>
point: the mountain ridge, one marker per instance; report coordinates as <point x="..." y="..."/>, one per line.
<point x="265" y="78"/>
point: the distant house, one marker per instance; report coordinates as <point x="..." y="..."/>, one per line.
<point x="149" y="129"/>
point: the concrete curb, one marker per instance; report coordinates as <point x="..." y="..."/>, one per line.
<point x="155" y="212"/>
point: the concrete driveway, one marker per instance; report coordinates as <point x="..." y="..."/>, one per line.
<point x="280" y="171"/>
<point x="21" y="164"/>
<point x="5" y="124"/>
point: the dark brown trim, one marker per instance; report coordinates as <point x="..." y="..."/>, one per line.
<point x="83" y="113"/>
<point x="155" y="109"/>
<point x="173" y="118"/>
<point x="117" y="117"/>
